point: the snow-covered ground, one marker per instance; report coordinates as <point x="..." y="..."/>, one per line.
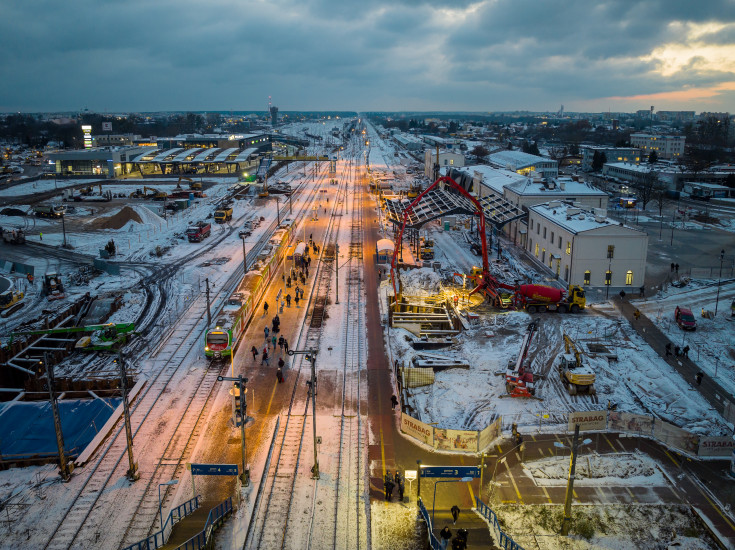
<point x="713" y="343"/>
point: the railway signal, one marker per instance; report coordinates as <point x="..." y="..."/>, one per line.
<point x="240" y="414"/>
<point x="311" y="358"/>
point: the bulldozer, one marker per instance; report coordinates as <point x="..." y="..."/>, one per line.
<point x="574" y="374"/>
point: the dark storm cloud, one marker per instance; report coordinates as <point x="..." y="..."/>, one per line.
<point x="399" y="54"/>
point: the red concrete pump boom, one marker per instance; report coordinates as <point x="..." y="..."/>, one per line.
<point x="488" y="281"/>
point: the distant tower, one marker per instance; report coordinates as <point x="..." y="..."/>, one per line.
<point x="274" y="115"/>
<point x="560" y="113"/>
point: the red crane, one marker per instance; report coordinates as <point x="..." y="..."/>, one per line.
<point x="485" y="282"/>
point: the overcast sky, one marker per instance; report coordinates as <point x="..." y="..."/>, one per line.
<point x="133" y="55"/>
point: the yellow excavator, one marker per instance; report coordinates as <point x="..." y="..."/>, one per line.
<point x="574" y="374"/>
<point x="192" y="184"/>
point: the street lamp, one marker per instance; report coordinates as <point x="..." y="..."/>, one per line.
<point x="244" y="253"/>
<point x="160" y="512"/>
<point x="719" y="281"/>
<point x="311" y="357"/>
<point x="570" y="482"/>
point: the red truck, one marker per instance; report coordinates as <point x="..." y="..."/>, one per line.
<point x="198" y="231"/>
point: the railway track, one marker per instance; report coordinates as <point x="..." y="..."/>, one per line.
<point x="77" y="524"/>
<point x="275" y="518"/>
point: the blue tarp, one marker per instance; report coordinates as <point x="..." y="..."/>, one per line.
<point x="27" y="428"/>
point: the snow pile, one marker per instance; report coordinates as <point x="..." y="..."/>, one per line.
<point x="123" y="218"/>
<point x="603" y="470"/>
<point x="420" y="282"/>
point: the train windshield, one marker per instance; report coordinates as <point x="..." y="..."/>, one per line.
<point x="217" y="340"/>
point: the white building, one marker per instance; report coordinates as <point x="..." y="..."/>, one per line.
<point x="524" y="163"/>
<point x="408" y="142"/>
<point x="584" y="247"/>
<point x="666" y="147"/>
<point x="446" y="160"/>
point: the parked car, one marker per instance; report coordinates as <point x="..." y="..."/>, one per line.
<point x="684" y="318"/>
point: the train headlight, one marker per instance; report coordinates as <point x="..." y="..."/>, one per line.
<point x="206" y="348"/>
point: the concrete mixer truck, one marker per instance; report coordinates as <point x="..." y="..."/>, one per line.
<point x="541" y="298"/>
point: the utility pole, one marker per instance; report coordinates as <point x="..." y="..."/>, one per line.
<point x="336" y="263"/>
<point x="312" y="359"/>
<point x="244" y="255"/>
<point x="209" y="313"/>
<point x="240" y="410"/>
<point x="132" y="472"/>
<point x="65" y="469"/>
<point x="63" y="229"/>
<point x="719" y="281"/>
<point x="570" y="484"/>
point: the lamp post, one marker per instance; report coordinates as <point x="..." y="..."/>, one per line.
<point x="719" y="280"/>
<point x="160" y="511"/>
<point x="278" y="209"/>
<point x="244" y="254"/>
<point x="311" y="357"/>
<point x="570" y="482"/>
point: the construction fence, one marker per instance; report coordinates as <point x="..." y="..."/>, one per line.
<point x="474" y="441"/>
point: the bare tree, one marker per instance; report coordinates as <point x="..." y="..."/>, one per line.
<point x="648" y="187"/>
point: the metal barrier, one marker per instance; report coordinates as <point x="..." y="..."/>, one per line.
<point x="158" y="539"/>
<point x="433" y="541"/>
<point x="215" y="519"/>
<point x="504" y="541"/>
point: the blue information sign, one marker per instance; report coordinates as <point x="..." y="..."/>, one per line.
<point x="214" y="469"/>
<point x="450" y="471"/>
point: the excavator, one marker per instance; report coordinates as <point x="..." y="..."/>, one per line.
<point x="574" y="374"/>
<point x="106" y="337"/>
<point x="518" y="377"/>
<point x="155" y="194"/>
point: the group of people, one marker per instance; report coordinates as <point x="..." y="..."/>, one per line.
<point x="678" y="351"/>
<point x="393" y="482"/>
<point x="459" y="542"/>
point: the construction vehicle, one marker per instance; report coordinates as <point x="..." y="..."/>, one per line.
<point x="574" y="374"/>
<point x="535" y="298"/>
<point x="223" y="214"/>
<point x="154" y="194"/>
<point x="198" y="231"/>
<point x="192" y="184"/>
<point x="52" y="287"/>
<point x="49" y="210"/>
<point x="414" y="190"/>
<point x="426" y="249"/>
<point x="105" y="337"/>
<point x="9" y="298"/>
<point x="484" y="281"/>
<point x="14" y="236"/>
<point x="518" y="376"/>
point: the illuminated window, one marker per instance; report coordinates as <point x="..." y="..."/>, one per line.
<point x="536" y="251"/>
<point x="608" y="277"/>
<point x="451" y="161"/>
<point x="611" y="251"/>
<point x="629" y="278"/>
<point x="543" y="255"/>
<point x="569" y="247"/>
<point x="587" y="277"/>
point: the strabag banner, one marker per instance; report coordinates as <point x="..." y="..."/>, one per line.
<point x="587" y="420"/>
<point x="417" y="429"/>
<point x="629" y="422"/>
<point x="716" y="446"/>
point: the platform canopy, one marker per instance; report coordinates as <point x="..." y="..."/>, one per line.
<point x="440" y="202"/>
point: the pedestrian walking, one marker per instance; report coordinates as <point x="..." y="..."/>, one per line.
<point x="274" y="340"/>
<point x="462" y="535"/>
<point x="668" y="349"/>
<point x="636" y="314"/>
<point x="401" y="487"/>
<point x="677" y="351"/>
<point x="672" y="266"/>
<point x="643" y="291"/>
<point x="266" y="331"/>
<point x="265" y="308"/>
<point x="40" y="236"/>
<point x="389" y="490"/>
<point x="285" y="345"/>
<point x="264" y="357"/>
<point x="297" y="300"/>
<point x="685" y="351"/>
<point x="444" y="537"/>
<point x="280" y="341"/>
<point x="676" y="268"/>
<point x="393" y="402"/>
<point x="455" y="513"/>
<point x="283" y="276"/>
<point x="281" y="362"/>
<point x="288" y="300"/>
<point x="288" y="282"/>
<point x="279" y="375"/>
<point x="254" y="351"/>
